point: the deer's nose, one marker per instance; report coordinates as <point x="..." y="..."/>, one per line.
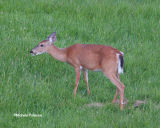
<point x="31" y="51"/>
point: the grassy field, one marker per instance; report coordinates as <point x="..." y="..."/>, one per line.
<point x="42" y="85"/>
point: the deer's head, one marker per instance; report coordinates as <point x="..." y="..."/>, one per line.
<point x="44" y="45"/>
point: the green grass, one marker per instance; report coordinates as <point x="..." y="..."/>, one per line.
<point x="42" y="85"/>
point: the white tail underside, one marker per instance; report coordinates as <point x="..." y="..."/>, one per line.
<point x="120" y="69"/>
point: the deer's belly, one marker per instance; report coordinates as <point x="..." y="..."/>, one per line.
<point x="91" y="67"/>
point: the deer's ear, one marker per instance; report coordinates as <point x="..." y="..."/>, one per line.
<point x="52" y="37"/>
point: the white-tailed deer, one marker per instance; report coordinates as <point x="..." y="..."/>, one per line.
<point x="84" y="57"/>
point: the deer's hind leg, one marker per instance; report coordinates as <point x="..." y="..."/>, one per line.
<point x="77" y="75"/>
<point x="120" y="87"/>
<point x="115" y="95"/>
<point x="110" y="71"/>
<point x="117" y="92"/>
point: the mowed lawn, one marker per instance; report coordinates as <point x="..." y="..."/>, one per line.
<point x="42" y="85"/>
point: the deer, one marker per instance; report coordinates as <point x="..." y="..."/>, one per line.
<point x="84" y="57"/>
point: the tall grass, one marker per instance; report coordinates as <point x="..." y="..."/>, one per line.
<point x="42" y="85"/>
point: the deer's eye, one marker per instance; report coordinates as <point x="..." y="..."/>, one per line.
<point x="41" y="45"/>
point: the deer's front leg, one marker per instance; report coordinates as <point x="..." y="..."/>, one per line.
<point x="85" y="76"/>
<point x="77" y="75"/>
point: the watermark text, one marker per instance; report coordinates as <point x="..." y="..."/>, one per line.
<point x="27" y="115"/>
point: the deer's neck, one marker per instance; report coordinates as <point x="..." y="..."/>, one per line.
<point x="57" y="53"/>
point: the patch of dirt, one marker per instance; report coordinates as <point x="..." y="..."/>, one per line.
<point x="137" y="103"/>
<point x="96" y="104"/>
